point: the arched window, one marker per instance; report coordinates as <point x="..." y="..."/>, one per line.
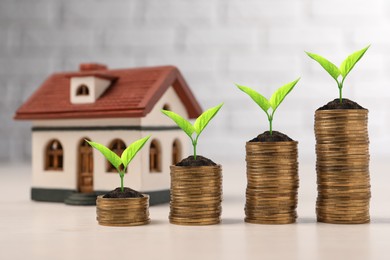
<point x="167" y="107"/>
<point x="117" y="146"/>
<point x="176" y="152"/>
<point x="82" y="90"/>
<point x="155" y="156"/>
<point x="54" y="156"/>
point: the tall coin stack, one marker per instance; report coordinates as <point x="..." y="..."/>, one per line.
<point x="196" y="195"/>
<point x="272" y="189"/>
<point x="122" y="211"/>
<point x="343" y="179"/>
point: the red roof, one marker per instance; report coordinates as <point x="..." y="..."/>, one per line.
<point x="133" y="93"/>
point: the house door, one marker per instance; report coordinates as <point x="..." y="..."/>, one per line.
<point x="85" y="168"/>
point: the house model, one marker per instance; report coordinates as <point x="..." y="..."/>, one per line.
<point x="114" y="108"/>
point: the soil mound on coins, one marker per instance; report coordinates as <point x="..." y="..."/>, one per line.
<point x="346" y="104"/>
<point x="200" y="161"/>
<point x="275" y="137"/>
<point x="127" y="193"/>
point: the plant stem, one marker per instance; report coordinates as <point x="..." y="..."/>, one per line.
<point x="340" y="85"/>
<point x="340" y="95"/>
<point x="194" y="143"/>
<point x="270" y="119"/>
<point x="121" y="174"/>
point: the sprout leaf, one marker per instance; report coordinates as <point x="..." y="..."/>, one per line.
<point x="202" y="121"/>
<point x="327" y="65"/>
<point x="260" y="100"/>
<point x="132" y="150"/>
<point x="345" y="67"/>
<point x="279" y="95"/>
<point x="180" y="121"/>
<point x="276" y="99"/>
<point x="348" y="64"/>
<point x="112" y="157"/>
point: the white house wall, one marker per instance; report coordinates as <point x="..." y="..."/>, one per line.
<point x="41" y="178"/>
<point x="154" y="181"/>
<point x="138" y="176"/>
<point x="70" y="141"/>
<point x="159" y="181"/>
<point x="155" y="117"/>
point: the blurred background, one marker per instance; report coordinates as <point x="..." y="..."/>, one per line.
<point x="215" y="43"/>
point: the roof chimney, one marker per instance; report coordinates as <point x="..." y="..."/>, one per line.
<point x="92" y="66"/>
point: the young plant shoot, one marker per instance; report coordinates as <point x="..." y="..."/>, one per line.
<point x="200" y="123"/>
<point x="274" y="102"/>
<point x="120" y="163"/>
<point x="344" y="69"/>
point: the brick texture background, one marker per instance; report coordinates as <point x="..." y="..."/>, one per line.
<point x="258" y="43"/>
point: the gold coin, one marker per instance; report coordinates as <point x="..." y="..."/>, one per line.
<point x="122" y="212"/>
<point x="196" y="195"/>
<point x="272" y="175"/>
<point x="194" y="222"/>
<point x="343" y="181"/>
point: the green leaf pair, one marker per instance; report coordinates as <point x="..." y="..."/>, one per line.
<point x="276" y="99"/>
<point x="200" y="123"/>
<point x="126" y="157"/>
<point x="344" y="69"/>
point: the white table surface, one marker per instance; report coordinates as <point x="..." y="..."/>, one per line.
<point x="38" y="230"/>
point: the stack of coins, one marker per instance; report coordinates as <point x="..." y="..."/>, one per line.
<point x="272" y="189"/>
<point x="343" y="179"/>
<point x="122" y="211"/>
<point x="196" y="195"/>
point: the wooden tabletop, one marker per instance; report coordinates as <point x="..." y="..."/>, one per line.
<point x="37" y="230"/>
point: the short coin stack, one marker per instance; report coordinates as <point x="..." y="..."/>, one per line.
<point x="122" y="211"/>
<point x="343" y="178"/>
<point x="272" y="189"/>
<point x="196" y="195"/>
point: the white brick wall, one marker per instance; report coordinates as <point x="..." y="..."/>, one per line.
<point x="215" y="43"/>
<point x="180" y="13"/>
<point x="355" y="9"/>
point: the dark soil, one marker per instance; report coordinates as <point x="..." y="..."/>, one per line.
<point x="127" y="193"/>
<point x="346" y="104"/>
<point x="200" y="161"/>
<point x="275" y="137"/>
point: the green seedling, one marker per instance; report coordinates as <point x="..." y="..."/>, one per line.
<point x="274" y="102"/>
<point x="120" y="163"/>
<point x="344" y="69"/>
<point x="200" y="123"/>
